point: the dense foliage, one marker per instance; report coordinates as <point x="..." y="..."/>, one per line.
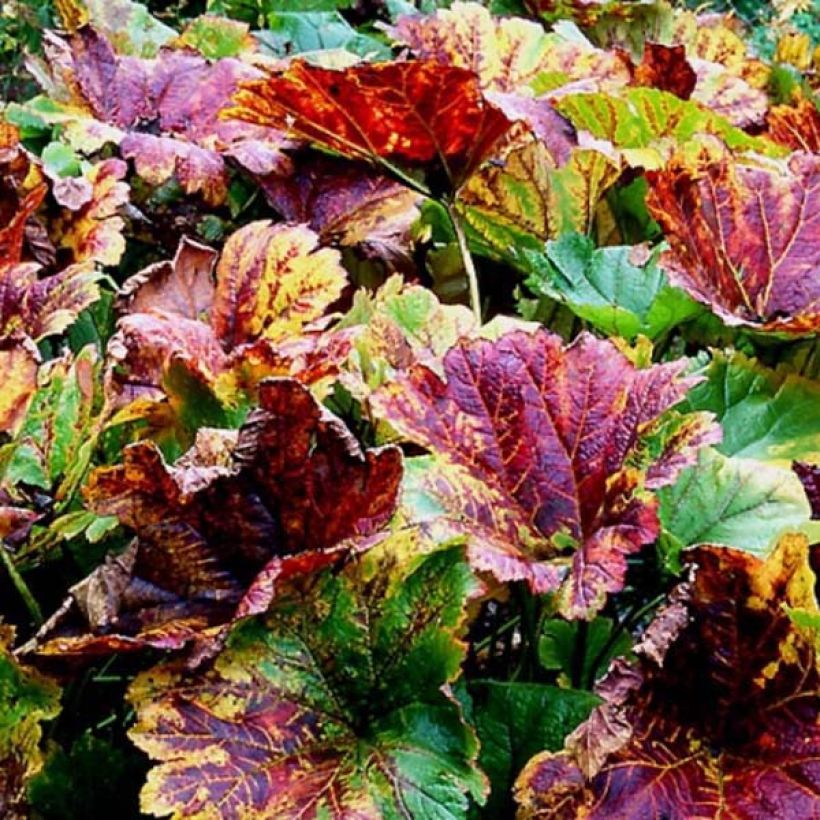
<point x="409" y="410"/>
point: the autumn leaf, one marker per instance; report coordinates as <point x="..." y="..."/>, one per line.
<point x="19" y="359"/>
<point x="272" y="280"/>
<point x="26" y="699"/>
<point x="284" y="493"/>
<point x="666" y="68"/>
<point x="795" y="126"/>
<point x="419" y="113"/>
<point x="536" y="448"/>
<point x="312" y="712"/>
<point x="717" y="718"/>
<point x="743" y="236"/>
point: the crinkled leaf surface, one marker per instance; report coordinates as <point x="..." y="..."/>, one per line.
<point x="418" y="112"/>
<point x="622" y="291"/>
<point x="768" y="415"/>
<point x="719" y="716"/>
<point x="733" y="501"/>
<point x="230" y="514"/>
<point x="744" y="236"/>
<point x="537" y="447"/>
<point x="329" y="706"/>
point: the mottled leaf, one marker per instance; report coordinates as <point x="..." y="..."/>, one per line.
<point x="743" y="236"/>
<point x="18" y="375"/>
<point x="531" y="444"/>
<point x="272" y="280"/>
<point x="420" y="113"/>
<point x="328" y="707"/>
<point x="218" y="528"/>
<point x="620" y="290"/>
<point x="26" y="699"/>
<point x="719" y="716"/>
<point x="797" y="127"/>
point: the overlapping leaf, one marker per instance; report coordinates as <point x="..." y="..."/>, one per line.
<point x="743" y="236"/>
<point x="419" y="113"/>
<point x="620" y="290"/>
<point x="537" y="447"/>
<point x="215" y="530"/>
<point x="26" y="699"/>
<point x="719" y="716"/>
<point x="329" y="706"/>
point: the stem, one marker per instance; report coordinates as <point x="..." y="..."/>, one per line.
<point x="579" y="654"/>
<point x="21" y="586"/>
<point x="466" y="260"/>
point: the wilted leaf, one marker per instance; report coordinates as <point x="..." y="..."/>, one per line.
<point x="26" y="699"/>
<point x="420" y="113"/>
<point x="765" y="414"/>
<point x="506" y="54"/>
<point x="397" y="327"/>
<point x="734" y="502"/>
<point x="329" y="706"/>
<point x="620" y="290"/>
<point x="216" y="530"/>
<point x="184" y="287"/>
<point x="272" y="280"/>
<point x="531" y="446"/>
<point x="18" y="375"/>
<point x="743" y="236"/>
<point x="717" y="719"/>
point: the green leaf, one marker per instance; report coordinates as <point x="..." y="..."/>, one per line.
<point x="60" y="160"/>
<point x="26" y="699"/>
<point x="732" y="501"/>
<point x="606" y="288"/>
<point x="515" y="721"/>
<point x="331" y="703"/>
<point x="560" y="643"/>
<point x="129" y="26"/>
<point x="296" y="32"/>
<point x="769" y="415"/>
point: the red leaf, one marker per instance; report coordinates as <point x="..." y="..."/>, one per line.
<point x="417" y="112"/>
<point x="718" y="718"/>
<point x="744" y="237"/>
<point x="533" y="445"/>
<point x="666" y="68"/>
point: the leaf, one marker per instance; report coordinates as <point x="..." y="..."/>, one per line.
<point x="129" y="26"/>
<point x="531" y="445"/>
<point x="769" y="415"/>
<point x="312" y="711"/>
<point x="419" y="113"/>
<point x="272" y="280"/>
<point x="809" y="475"/>
<point x="797" y="127"/>
<point x="18" y="375"/>
<point x="514" y="721"/>
<point x="52" y="447"/>
<point x="26" y="699"/>
<point x="718" y="717"/>
<point x="646" y="123"/>
<point x="734" y="502"/>
<point x="349" y="204"/>
<point x="621" y="291"/>
<point x="215" y="531"/>
<point x="94" y="231"/>
<point x="399" y="326"/>
<point x="506" y="54"/>
<point x="184" y="287"/>
<point x="216" y="37"/>
<point x="527" y="199"/>
<point x="743" y="235"/>
<point x="666" y="68"/>
<point x="303" y="32"/>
